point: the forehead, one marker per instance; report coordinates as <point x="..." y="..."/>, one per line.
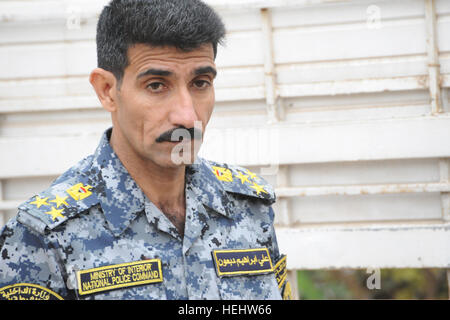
<point x="141" y="56"/>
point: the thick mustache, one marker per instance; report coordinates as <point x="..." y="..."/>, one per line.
<point x="194" y="133"/>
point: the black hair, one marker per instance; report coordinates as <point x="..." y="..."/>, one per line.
<point x="184" y="24"/>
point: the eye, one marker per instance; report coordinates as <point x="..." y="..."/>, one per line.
<point x="156" y="86"/>
<point x="201" y="84"/>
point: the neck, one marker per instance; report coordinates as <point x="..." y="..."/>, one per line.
<point x="164" y="186"/>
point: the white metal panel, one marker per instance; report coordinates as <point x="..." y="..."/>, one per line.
<point x="345" y="11"/>
<point x="285" y="144"/>
<point x="329" y="142"/>
<point x="21" y="188"/>
<point x="364" y="172"/>
<point x="16" y="33"/>
<point x="377" y="246"/>
<point x="363" y="106"/>
<point x="375" y="68"/>
<point x="324" y="43"/>
<point x="59" y="123"/>
<point x="63" y="59"/>
<point x="366" y="208"/>
<point x="44" y="155"/>
<point x="24" y="94"/>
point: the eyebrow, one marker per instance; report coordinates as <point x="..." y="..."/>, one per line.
<point x="166" y="73"/>
<point x="154" y="72"/>
<point x="203" y="70"/>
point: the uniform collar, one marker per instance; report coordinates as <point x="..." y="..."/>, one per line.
<point x="120" y="197"/>
<point x="207" y="189"/>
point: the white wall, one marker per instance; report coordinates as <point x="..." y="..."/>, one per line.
<point x="344" y="105"/>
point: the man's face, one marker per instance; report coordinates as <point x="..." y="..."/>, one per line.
<point x="164" y="88"/>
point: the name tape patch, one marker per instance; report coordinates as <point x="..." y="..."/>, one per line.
<point x="281" y="271"/>
<point x="242" y="262"/>
<point x="119" y="276"/>
<point x="27" y="291"/>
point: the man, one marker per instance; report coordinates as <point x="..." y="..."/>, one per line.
<point x="143" y="217"/>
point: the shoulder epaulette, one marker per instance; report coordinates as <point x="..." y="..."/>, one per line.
<point x="236" y="179"/>
<point x="57" y="204"/>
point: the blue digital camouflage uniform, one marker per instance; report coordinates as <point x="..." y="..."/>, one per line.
<point x="95" y="235"/>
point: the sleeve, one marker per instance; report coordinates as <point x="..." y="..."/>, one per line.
<point x="271" y="238"/>
<point x="29" y="267"/>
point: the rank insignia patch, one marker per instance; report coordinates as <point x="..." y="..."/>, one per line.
<point x="223" y="174"/>
<point x="119" y="276"/>
<point x="27" y="291"/>
<point x="281" y="271"/>
<point x="79" y="191"/>
<point x="242" y="262"/>
<point x="281" y="276"/>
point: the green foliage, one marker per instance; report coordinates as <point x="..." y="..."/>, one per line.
<point x="308" y="287"/>
<point x="352" y="284"/>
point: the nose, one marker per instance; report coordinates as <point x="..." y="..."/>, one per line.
<point x="183" y="111"/>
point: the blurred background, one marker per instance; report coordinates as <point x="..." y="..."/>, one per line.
<point x="342" y="105"/>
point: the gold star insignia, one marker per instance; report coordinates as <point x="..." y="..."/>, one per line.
<point x="258" y="188"/>
<point x="40" y="202"/>
<point x="243" y="177"/>
<point x="60" y="201"/>
<point x="251" y="174"/>
<point x="55" y="213"/>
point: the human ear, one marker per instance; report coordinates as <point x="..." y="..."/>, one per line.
<point x="104" y="84"/>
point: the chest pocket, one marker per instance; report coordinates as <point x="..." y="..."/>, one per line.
<point x="249" y="287"/>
